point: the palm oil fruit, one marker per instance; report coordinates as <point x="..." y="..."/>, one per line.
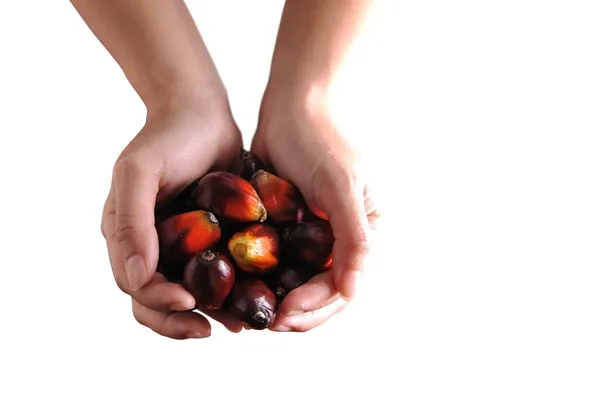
<point x="188" y="233"/>
<point x="285" y="279"/>
<point x="229" y="196"/>
<point x="209" y="276"/>
<point x="255" y="248"/>
<point x="310" y="244"/>
<point x="282" y="200"/>
<point x="183" y="202"/>
<point x="251" y="301"/>
<point x="246" y="164"/>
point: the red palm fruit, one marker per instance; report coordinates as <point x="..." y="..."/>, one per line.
<point x="310" y="244"/>
<point x="246" y="164"/>
<point x="283" y="201"/>
<point x="285" y="279"/>
<point x="252" y="302"/>
<point x="209" y="276"/>
<point x="255" y="249"/>
<point x="188" y="233"/>
<point x="229" y="196"/>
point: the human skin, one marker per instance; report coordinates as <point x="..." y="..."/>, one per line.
<point x="190" y="130"/>
<point x="298" y="136"/>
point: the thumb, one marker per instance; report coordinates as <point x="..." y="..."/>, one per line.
<point x="341" y="196"/>
<point x="135" y="198"/>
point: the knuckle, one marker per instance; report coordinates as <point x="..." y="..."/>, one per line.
<point x="342" y="179"/>
<point x="308" y="320"/>
<point x="138" y="316"/>
<point x="124" y="287"/>
<point x="108" y="213"/>
<point x="347" y="180"/>
<point x="303" y="328"/>
<point x="127" y="164"/>
<point x="125" y="229"/>
<point x="104" y="229"/>
<point x="360" y="244"/>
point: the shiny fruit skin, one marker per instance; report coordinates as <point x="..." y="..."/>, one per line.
<point x="255" y="248"/>
<point x="252" y="302"/>
<point x="246" y="164"/>
<point x="183" y="202"/>
<point x="229" y="196"/>
<point x="181" y="237"/>
<point x="310" y="244"/>
<point x="283" y="201"/>
<point x="286" y="278"/>
<point x="209" y="276"/>
<point x="189" y="233"/>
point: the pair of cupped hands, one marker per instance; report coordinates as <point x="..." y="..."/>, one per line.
<point x="190" y="137"/>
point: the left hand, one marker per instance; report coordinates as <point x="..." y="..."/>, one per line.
<point x="304" y="146"/>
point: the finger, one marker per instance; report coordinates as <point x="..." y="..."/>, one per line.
<point x="136" y="185"/>
<point x="374" y="220"/>
<point x="341" y="195"/>
<point x="298" y="309"/>
<point x="114" y="254"/>
<point x="176" y="325"/>
<point x="315" y="293"/>
<point x="230" y="323"/>
<point x="371" y="207"/>
<point x="161" y="295"/>
<point x="308" y="320"/>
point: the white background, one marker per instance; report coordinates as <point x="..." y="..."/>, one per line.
<point x="483" y="119"/>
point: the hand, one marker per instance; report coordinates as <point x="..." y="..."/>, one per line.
<point x="174" y="148"/>
<point x="304" y="146"/>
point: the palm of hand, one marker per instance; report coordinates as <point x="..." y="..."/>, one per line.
<point x="315" y="158"/>
<point x="170" y="152"/>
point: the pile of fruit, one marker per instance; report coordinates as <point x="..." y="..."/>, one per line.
<point x="240" y="240"/>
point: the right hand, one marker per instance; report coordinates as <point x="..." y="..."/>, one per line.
<point x="175" y="147"/>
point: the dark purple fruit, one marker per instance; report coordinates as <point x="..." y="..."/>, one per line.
<point x="309" y="244"/>
<point x="183" y="202"/>
<point x="253" y="303"/>
<point x="246" y="164"/>
<point x="183" y="235"/>
<point x="285" y="279"/>
<point x="209" y="277"/>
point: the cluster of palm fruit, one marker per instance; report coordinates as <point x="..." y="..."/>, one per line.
<point x="240" y="240"/>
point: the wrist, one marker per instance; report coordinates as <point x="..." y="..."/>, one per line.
<point x="187" y="97"/>
<point x="293" y="100"/>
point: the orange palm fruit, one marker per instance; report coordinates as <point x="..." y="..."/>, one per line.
<point x="255" y="249"/>
<point x="188" y="233"/>
<point x="283" y="201"/>
<point x="229" y="196"/>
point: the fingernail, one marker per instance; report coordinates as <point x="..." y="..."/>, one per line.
<point x="281" y="328"/>
<point x="135" y="267"/>
<point x="353" y="286"/>
<point x="182" y="305"/>
<point x="291" y="313"/>
<point x="196" y="334"/>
